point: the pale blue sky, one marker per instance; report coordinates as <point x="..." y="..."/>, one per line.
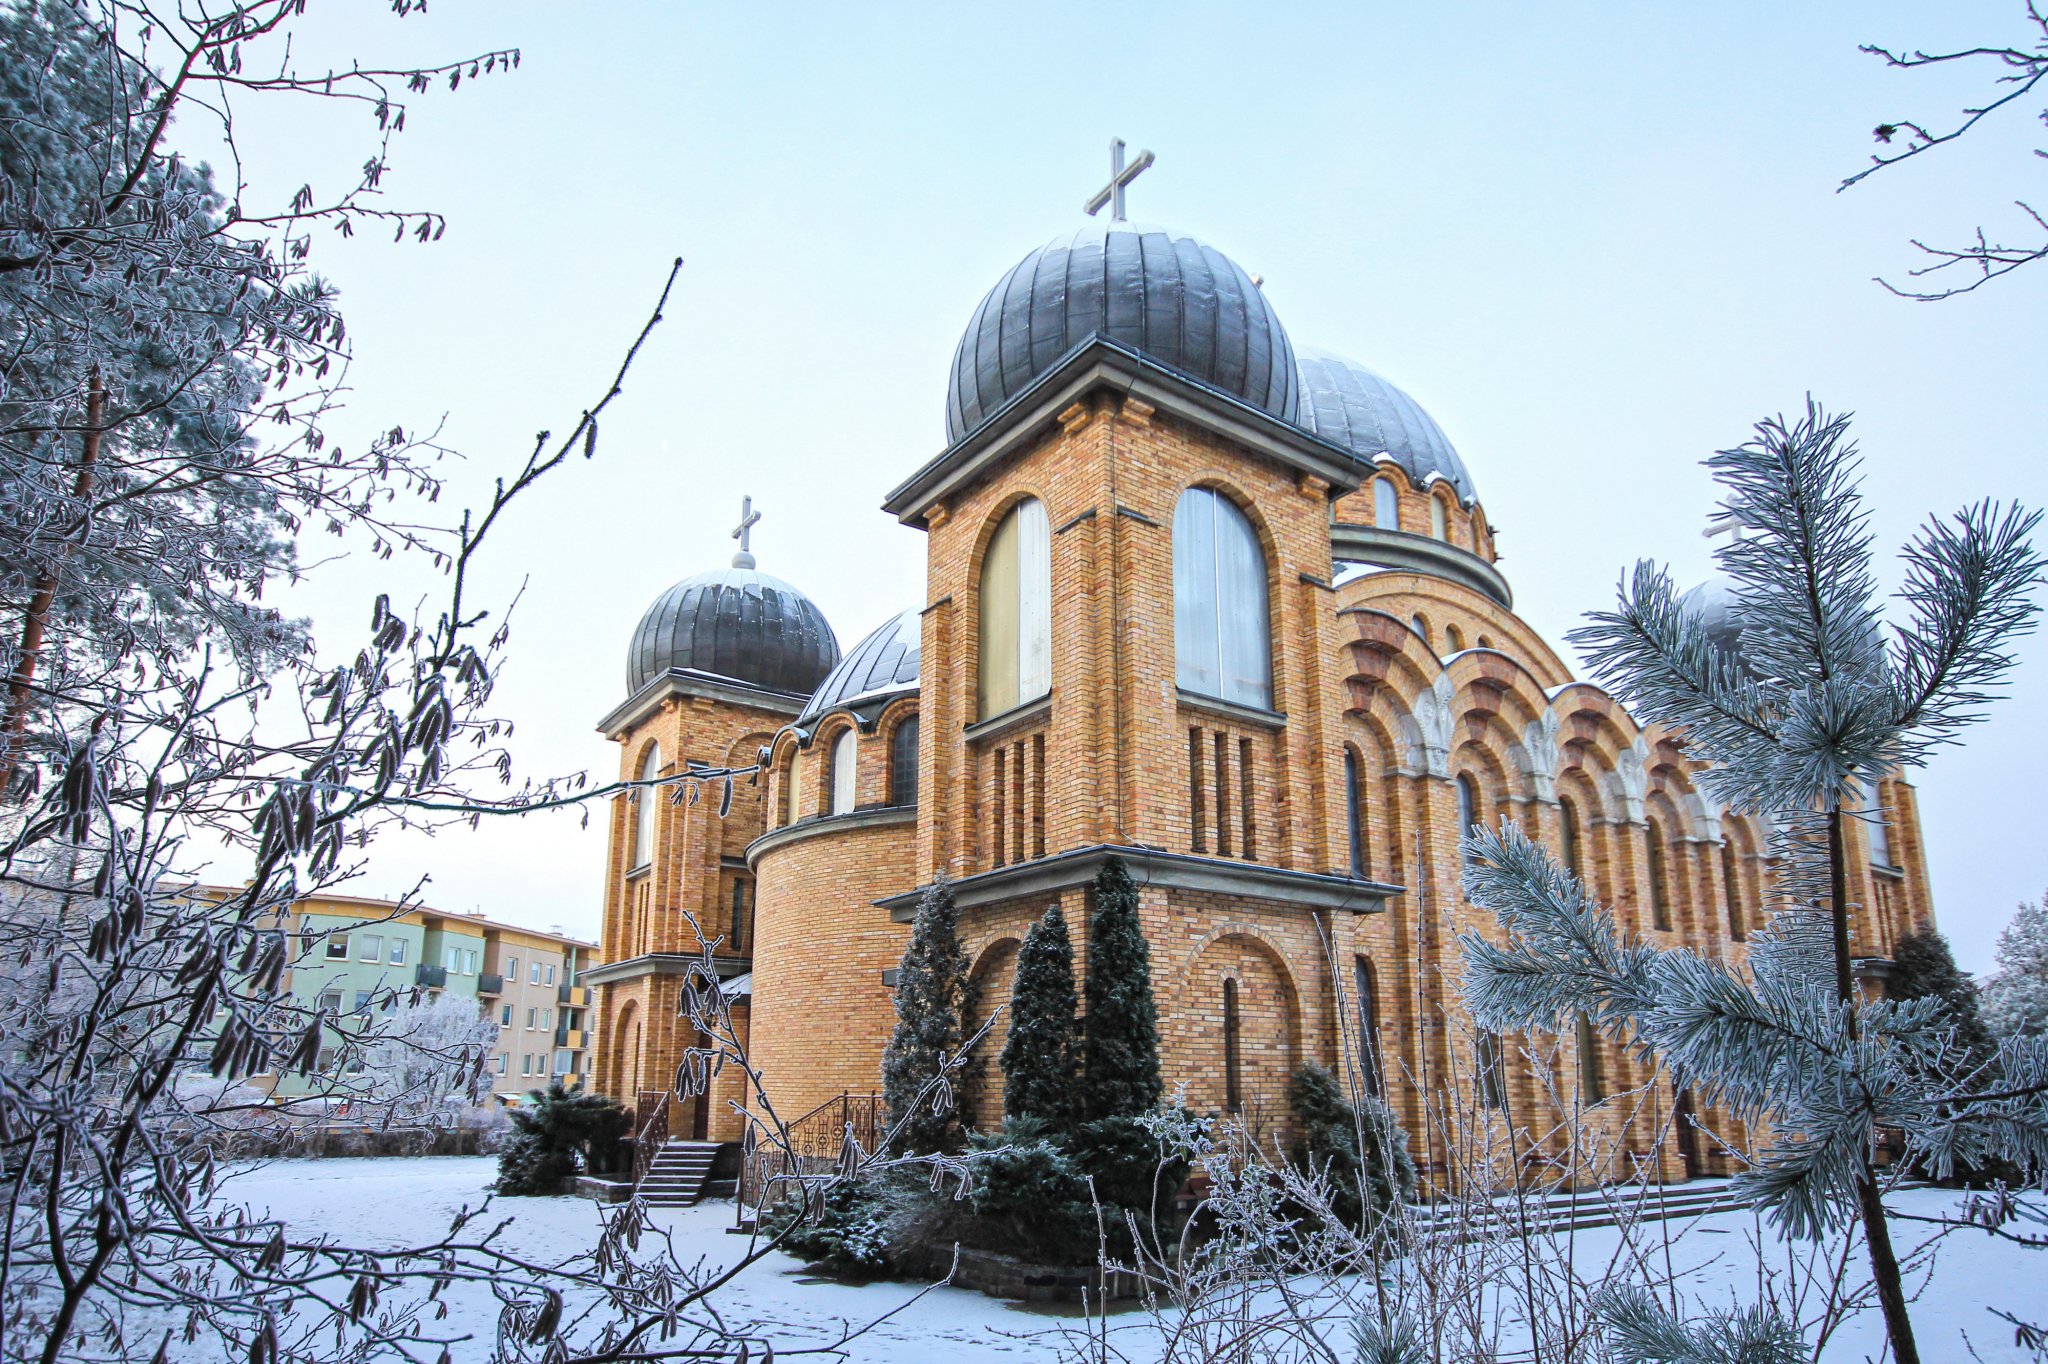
<point x="1597" y="242"/>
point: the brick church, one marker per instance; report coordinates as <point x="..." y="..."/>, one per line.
<point x="1214" y="602"/>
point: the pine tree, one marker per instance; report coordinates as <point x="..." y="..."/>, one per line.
<point x="1380" y="1174"/>
<point x="1039" y="1059"/>
<point x="2016" y="995"/>
<point x="1923" y="967"/>
<point x="1814" y="705"/>
<point x="932" y="1010"/>
<point x="1120" y="1034"/>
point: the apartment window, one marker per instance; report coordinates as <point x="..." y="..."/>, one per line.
<point x="369" y="947"/>
<point x="469" y="961"/>
<point x="505" y="1017"/>
<point x="337" y="947"/>
<point x="534" y="979"/>
<point x="561" y="1063"/>
<point x="362" y="1002"/>
<point x="526" y="1063"/>
<point x="398" y="947"/>
<point x="531" y="1014"/>
<point x="330" y="1003"/>
<point x="504" y="1062"/>
<point x="547" y="1018"/>
<point x="512" y="968"/>
<point x="1220" y="642"/>
<point x="551" y="974"/>
<point x="1016" y="611"/>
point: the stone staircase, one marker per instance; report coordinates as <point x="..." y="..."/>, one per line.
<point x="1562" y="1212"/>
<point x="680" y="1174"/>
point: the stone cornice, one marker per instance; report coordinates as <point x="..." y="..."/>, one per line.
<point x="1152" y="867"/>
<point x="659" y="964"/>
<point x="708" y="686"/>
<point x="877" y="817"/>
<point x="1098" y="363"/>
<point x="1418" y="553"/>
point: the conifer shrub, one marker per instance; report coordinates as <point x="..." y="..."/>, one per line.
<point x="1923" y="967"/>
<point x="1041" y="1057"/>
<point x="563" y="1132"/>
<point x="934" y="1003"/>
<point x="1120" y="1034"/>
<point x="1029" y="1199"/>
<point x="1377" y="1177"/>
<point x="852" y="1233"/>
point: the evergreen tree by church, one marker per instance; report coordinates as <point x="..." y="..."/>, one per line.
<point x="1923" y="966"/>
<point x="1039" y="1059"/>
<point x="933" y="1004"/>
<point x="1120" y="1034"/>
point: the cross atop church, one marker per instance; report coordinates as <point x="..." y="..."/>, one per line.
<point x="744" y="533"/>
<point x="1120" y="175"/>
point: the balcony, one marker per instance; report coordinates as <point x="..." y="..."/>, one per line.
<point x="490" y="983"/>
<point x="574" y="1039"/>
<point x="432" y="977"/>
<point x="574" y="996"/>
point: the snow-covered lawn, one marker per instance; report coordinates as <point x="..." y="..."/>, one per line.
<point x="398" y="1201"/>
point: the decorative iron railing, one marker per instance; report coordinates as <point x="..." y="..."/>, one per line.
<point x="647" y="1142"/>
<point x="817" y="1142"/>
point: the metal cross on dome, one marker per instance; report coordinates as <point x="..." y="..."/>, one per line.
<point x="744" y="533"/>
<point x="1120" y="175"/>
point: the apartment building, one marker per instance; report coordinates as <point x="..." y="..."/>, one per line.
<point x="357" y="950"/>
<point x="529" y="981"/>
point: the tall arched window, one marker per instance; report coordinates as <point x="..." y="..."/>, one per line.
<point x="1469" y="813"/>
<point x="742" y="917"/>
<point x="1731" y="891"/>
<point x="645" y="803"/>
<point x="1592" y="1088"/>
<point x="1492" y="1078"/>
<point x="1233" y="1051"/>
<point x="1660" y="894"/>
<point x="903" y="762"/>
<point x="1016" y="611"/>
<point x="1354" y="810"/>
<point x="1880" y="829"/>
<point x="839" y="773"/>
<point x="1439" y="518"/>
<point x="1568" y="836"/>
<point x="1386" y="505"/>
<point x="1220" y="642"/>
<point x="1368" y="1022"/>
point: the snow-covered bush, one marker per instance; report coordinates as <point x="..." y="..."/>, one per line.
<point x="425" y="1060"/>
<point x="2016" y="995"/>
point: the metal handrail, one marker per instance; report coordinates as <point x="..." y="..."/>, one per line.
<point x="647" y="1142"/>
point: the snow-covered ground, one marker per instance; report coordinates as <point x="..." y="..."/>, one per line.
<point x="398" y="1201"/>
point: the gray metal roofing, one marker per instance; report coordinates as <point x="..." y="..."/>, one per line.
<point x="883" y="664"/>
<point x="739" y="623"/>
<point x="1155" y="290"/>
<point x="1349" y="405"/>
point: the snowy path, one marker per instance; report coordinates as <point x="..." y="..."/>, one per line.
<point x="393" y="1201"/>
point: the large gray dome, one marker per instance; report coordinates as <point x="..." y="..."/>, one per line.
<point x="739" y="623"/>
<point x="1347" y="404"/>
<point x="882" y="666"/>
<point x="1159" y="292"/>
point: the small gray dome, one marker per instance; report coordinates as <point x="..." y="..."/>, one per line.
<point x="1160" y="292"/>
<point x="1714" y="599"/>
<point x="739" y="623"/>
<point x="885" y="664"/>
<point x="1347" y="404"/>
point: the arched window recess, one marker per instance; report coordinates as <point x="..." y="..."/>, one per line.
<point x="1016" y="612"/>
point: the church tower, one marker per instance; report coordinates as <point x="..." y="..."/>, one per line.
<point x="719" y="664"/>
